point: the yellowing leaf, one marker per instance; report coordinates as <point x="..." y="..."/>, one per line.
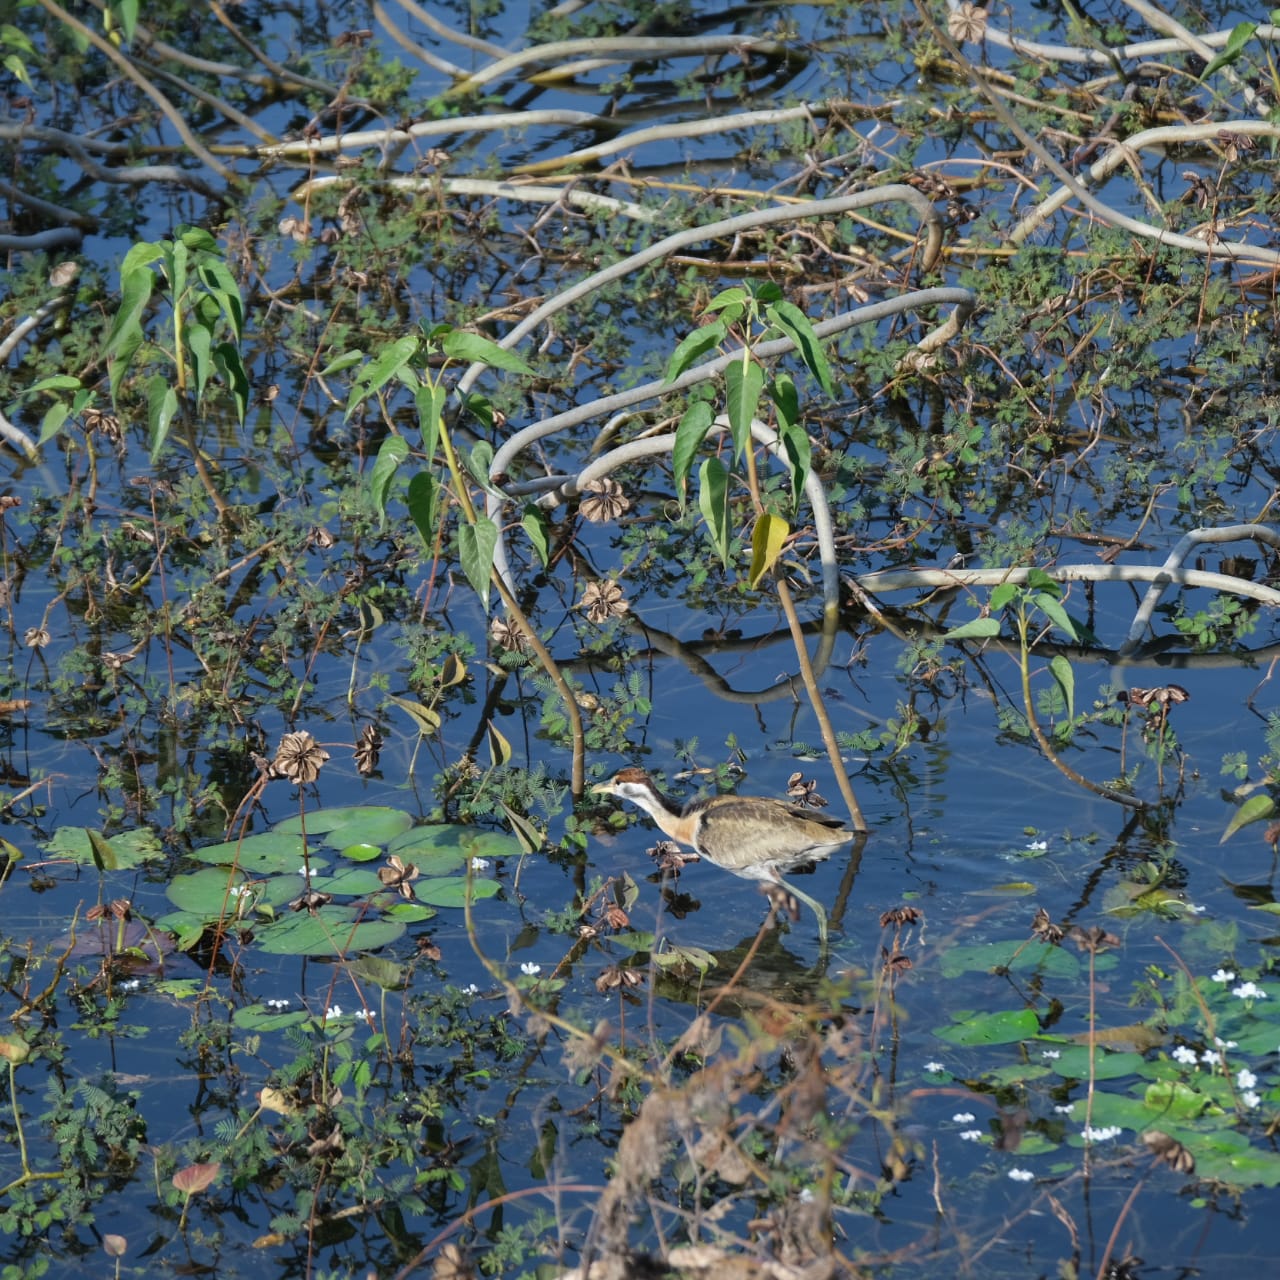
<point x="767" y="540"/>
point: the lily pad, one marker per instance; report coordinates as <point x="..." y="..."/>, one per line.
<point x="128" y="849"/>
<point x="1004" y="1027"/>
<point x="270" y="853"/>
<point x="331" y="931"/>
<point x="451" y="891"/>
<point x="350" y="882"/>
<point x="212" y="894"/>
<point x="259" y="1018"/>
<point x="357" y="823"/>
<point x="362" y="852"/>
<point x="464" y="841"/>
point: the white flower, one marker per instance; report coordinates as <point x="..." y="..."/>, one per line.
<point x="333" y="1014"/>
<point x="129" y="984"/>
<point x="1066" y="1110"/>
<point x="934" y="1066"/>
<point x="806" y="1195"/>
<point x="1021" y="1175"/>
<point x="1051" y="1054"/>
<point x="1037" y="846"/>
<point x="963" y="1117"/>
<point x="1101" y="1135"/>
<point x="1187" y="1056"/>
<point x="304" y="871"/>
<point x="1223" y="975"/>
<point x="368" y="1015"/>
<point x="471" y="989"/>
<point x="529" y="969"/>
<point x="479" y="864"/>
<point x="971" y="1135"/>
<point x="1208" y="1056"/>
<point x="277" y="1003"/>
<point x="1193" y="909"/>
<point x="1250" y="1099"/>
<point x="1249" y="991"/>
<point x="1245" y="1078"/>
<point x="1225" y="1044"/>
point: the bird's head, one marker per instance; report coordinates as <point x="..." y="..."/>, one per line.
<point x="629" y="784"/>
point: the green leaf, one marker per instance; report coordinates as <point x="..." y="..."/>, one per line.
<point x="733" y="302"/>
<point x="125" y="335"/>
<point x="431" y="402"/>
<point x="713" y="502"/>
<point x="51" y="423"/>
<point x="227" y="360"/>
<point x="767" y="540"/>
<point x="476" y="546"/>
<point x="701" y="340"/>
<point x="977" y="629"/>
<point x="1005" y="1027"/>
<point x="393" y="451"/>
<point x="499" y="748"/>
<point x="330" y="931"/>
<point x="1255" y="809"/>
<point x="744" y="382"/>
<point x="387" y="364"/>
<point x="531" y="836"/>
<point x="1060" y="669"/>
<point x="162" y="405"/>
<point x="535" y="523"/>
<point x="1002" y="595"/>
<point x="200" y="347"/>
<point x="797" y="326"/>
<point x="452" y="891"/>
<point x="798" y="450"/>
<point x="427" y="720"/>
<point x="1240" y="36"/>
<point x="1056" y="614"/>
<point x="421" y="499"/>
<point x="695" y="422"/>
<point x="458" y="344"/>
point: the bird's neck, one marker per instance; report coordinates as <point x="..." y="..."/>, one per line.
<point x="662" y="811"/>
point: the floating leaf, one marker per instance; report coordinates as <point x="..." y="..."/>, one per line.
<point x="129" y="848"/>
<point x="451" y="891"/>
<point x="260" y="1018"/>
<point x="1002" y="1027"/>
<point x="270" y="853"/>
<point x="322" y="821"/>
<point x="333" y="930"/>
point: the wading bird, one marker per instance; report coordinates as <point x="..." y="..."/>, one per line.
<point x="752" y="836"/>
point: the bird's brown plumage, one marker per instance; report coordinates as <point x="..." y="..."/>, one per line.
<point x="752" y="836"/>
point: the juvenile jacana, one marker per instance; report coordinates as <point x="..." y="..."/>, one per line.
<point x="752" y="836"/>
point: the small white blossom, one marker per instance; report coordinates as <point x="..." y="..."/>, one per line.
<point x="1187" y="1056"/>
<point x="963" y="1117"/>
<point x="1194" y="909"/>
<point x="470" y="989"/>
<point x="934" y="1067"/>
<point x="1225" y="1044"/>
<point x="1065" y="1110"/>
<point x="333" y="1014"/>
<point x="806" y="1195"/>
<point x="1037" y="846"/>
<point x="1101" y="1135"/>
<point x="1051" y="1054"/>
<point x="1249" y="991"/>
<point x="1249" y="1100"/>
<point x="1245" y="1078"/>
<point x="129" y="984"/>
<point x="1223" y="975"/>
<point x="1021" y="1175"/>
<point x="529" y="969"/>
<point x="479" y="864"/>
<point x="280" y="1003"/>
<point x="971" y="1135"/>
<point x="1209" y="1055"/>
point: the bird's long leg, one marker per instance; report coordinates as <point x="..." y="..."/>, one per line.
<point x="814" y="905"/>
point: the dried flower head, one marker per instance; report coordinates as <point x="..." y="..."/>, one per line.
<point x="508" y="635"/>
<point x="36" y="637"/>
<point x="670" y="857"/>
<point x="607" y="501"/>
<point x="1043" y="928"/>
<point x="299" y="758"/>
<point x="805" y="791"/>
<point x="367" y="750"/>
<point x="604" y="600"/>
<point x="399" y="876"/>
<point x="967" y="23"/>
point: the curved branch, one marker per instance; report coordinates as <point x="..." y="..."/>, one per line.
<point x="727" y="227"/>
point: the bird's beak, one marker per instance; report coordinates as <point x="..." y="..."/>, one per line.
<point x="602" y="789"/>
